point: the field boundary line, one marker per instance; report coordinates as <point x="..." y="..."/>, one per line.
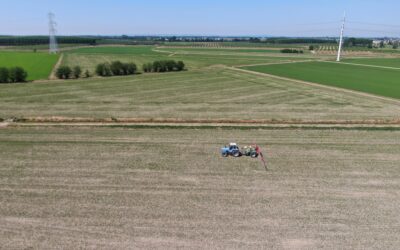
<point x="364" y="65"/>
<point x="211" y="126"/>
<point x="155" y="120"/>
<point x="52" y="75"/>
<point x="277" y="63"/>
<point x="162" y="51"/>
<point x="359" y="93"/>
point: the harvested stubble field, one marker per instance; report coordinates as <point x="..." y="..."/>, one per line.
<point x="217" y="93"/>
<point x="152" y="186"/>
<point x="113" y="188"/>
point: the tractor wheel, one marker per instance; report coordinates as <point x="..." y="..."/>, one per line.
<point x="254" y="155"/>
<point x="225" y="154"/>
<point x="237" y="154"/>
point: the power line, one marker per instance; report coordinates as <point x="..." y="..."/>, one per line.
<point x="375" y="24"/>
<point x="317" y="23"/>
<point x="374" y="31"/>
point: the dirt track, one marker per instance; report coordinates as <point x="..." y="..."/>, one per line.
<point x="58" y="64"/>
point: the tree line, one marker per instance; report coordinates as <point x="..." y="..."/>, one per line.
<point x="163" y="66"/>
<point x="38" y="40"/>
<point x="283" y="40"/>
<point x="66" y="72"/>
<point x="360" y="42"/>
<point x="293" y="51"/>
<point x="12" y="75"/>
<point x="116" y="68"/>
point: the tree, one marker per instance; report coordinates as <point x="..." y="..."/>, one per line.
<point x="77" y="71"/>
<point x="381" y="44"/>
<point x="180" y="65"/>
<point x="130" y="68"/>
<point x="311" y="47"/>
<point x="147" y="67"/>
<point x="157" y="66"/>
<point x="17" y="74"/>
<point x="87" y="74"/>
<point x="395" y="45"/>
<point x="103" y="69"/>
<point x="64" y="72"/>
<point x="294" y="51"/>
<point x="4" y="75"/>
<point x="117" y="68"/>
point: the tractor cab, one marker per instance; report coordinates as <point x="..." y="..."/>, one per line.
<point x="231" y="150"/>
<point x="233" y="146"/>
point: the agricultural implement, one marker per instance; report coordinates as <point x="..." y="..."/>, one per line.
<point x="250" y="151"/>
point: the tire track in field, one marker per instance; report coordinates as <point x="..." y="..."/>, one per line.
<point x="58" y="64"/>
<point x="365" y="65"/>
<point x="275" y="63"/>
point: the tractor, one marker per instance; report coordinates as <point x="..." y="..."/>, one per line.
<point x="234" y="150"/>
<point x="231" y="150"/>
<point x="253" y="151"/>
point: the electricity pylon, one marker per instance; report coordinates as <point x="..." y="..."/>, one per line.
<point x="53" y="48"/>
<point x="341" y="39"/>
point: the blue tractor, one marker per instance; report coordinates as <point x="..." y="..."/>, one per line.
<point x="231" y="150"/>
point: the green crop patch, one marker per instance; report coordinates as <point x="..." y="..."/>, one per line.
<point x="221" y="50"/>
<point x="384" y="62"/>
<point x="373" y="80"/>
<point x="124" y="50"/>
<point x="38" y="65"/>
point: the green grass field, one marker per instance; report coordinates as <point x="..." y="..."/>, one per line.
<point x="234" y="45"/>
<point x="220" y="50"/>
<point x="378" y="81"/>
<point x="124" y="50"/>
<point x="386" y="62"/>
<point x="38" y="65"/>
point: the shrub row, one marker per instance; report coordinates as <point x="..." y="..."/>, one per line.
<point x="164" y="66"/>
<point x="65" y="72"/>
<point x="116" y="68"/>
<point x="12" y="75"/>
<point x="293" y="51"/>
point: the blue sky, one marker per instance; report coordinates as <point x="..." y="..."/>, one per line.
<point x="202" y="17"/>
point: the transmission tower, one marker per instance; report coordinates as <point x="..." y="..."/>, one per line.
<point x="53" y="49"/>
<point x="341" y="38"/>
